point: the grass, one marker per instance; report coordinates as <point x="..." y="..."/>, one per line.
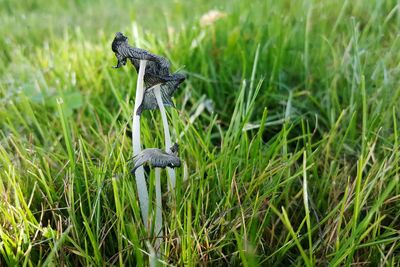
<point x="297" y="164"/>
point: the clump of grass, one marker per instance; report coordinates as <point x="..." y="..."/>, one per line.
<point x="298" y="163"/>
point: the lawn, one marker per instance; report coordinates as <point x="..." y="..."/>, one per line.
<point x="288" y="130"/>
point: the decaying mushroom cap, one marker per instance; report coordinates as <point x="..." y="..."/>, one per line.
<point x="124" y="51"/>
<point x="167" y="90"/>
<point x="157" y="158"/>
<point x="157" y="72"/>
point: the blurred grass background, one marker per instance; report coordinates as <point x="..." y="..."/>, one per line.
<point x="296" y="163"/>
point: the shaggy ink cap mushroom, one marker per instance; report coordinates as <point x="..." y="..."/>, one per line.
<point x="157" y="158"/>
<point x="124" y="51"/>
<point x="157" y="72"/>
<point x="167" y="90"/>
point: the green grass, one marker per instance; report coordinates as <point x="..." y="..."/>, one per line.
<point x="312" y="180"/>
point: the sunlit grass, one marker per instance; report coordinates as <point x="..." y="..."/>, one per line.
<point x="295" y="162"/>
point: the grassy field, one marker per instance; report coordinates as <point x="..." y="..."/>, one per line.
<point x="288" y="126"/>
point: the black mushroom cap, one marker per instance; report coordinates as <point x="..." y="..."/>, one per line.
<point x="157" y="158"/>
<point x="157" y="72"/>
<point x="167" y="90"/>
<point x="118" y="40"/>
<point x="124" y="51"/>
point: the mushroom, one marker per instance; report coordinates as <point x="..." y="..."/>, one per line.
<point x="154" y="72"/>
<point x="159" y="96"/>
<point x="160" y="85"/>
<point x="123" y="52"/>
<point x="167" y="90"/>
<point x="157" y="158"/>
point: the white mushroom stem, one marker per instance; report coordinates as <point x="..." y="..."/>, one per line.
<point x="168" y="144"/>
<point x="139" y="173"/>
<point x="158" y="225"/>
